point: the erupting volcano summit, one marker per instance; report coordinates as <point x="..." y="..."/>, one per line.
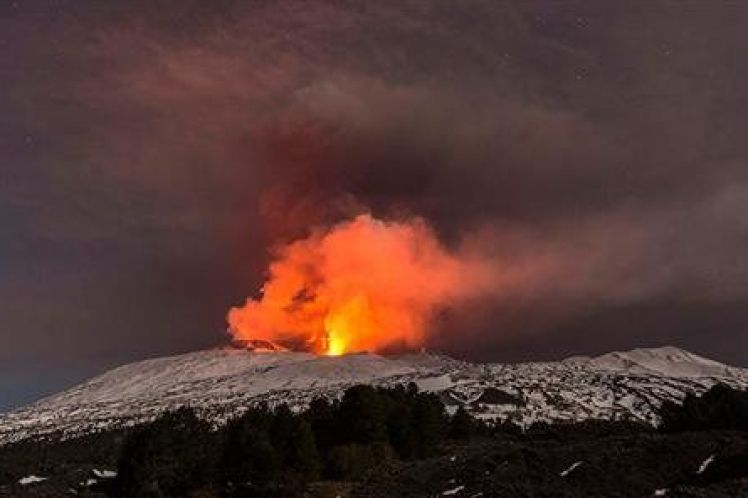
<point x="362" y="285"/>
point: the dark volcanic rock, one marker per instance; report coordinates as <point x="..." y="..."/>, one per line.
<point x="634" y="465"/>
<point x="493" y="396"/>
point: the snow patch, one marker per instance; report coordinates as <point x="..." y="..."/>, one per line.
<point x="571" y="468"/>
<point x="705" y="464"/>
<point x="104" y="474"/>
<point x="25" y="481"/>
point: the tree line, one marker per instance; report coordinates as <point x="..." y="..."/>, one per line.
<point x="278" y="452"/>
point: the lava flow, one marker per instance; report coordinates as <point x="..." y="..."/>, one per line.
<point x="361" y="285"/>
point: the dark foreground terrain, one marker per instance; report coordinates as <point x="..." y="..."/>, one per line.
<point x="617" y="466"/>
<point x="395" y="443"/>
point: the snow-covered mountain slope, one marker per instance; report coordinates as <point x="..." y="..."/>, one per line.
<point x="221" y="383"/>
<point x="668" y="361"/>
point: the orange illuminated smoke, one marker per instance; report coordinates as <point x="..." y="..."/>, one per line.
<point x="362" y="285"/>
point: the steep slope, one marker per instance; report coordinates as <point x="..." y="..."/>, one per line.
<point x="220" y="383"/>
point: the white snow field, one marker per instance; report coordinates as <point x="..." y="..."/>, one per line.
<point x="221" y="383"/>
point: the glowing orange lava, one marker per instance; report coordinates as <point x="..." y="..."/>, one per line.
<point x="362" y="285"/>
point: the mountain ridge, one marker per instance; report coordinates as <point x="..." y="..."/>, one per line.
<point x="220" y="383"/>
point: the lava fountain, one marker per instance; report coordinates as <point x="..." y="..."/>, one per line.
<point x="361" y="285"/>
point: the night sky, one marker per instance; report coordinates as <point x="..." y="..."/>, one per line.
<point x="152" y="151"/>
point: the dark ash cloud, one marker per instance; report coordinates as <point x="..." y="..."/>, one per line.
<point x="153" y="151"/>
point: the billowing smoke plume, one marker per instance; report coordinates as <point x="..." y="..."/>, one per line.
<point x="364" y="284"/>
<point x="599" y="150"/>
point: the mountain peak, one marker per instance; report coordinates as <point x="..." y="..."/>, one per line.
<point x="664" y="360"/>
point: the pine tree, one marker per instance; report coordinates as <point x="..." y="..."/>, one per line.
<point x="362" y="415"/>
<point x="463" y="425"/>
<point x="168" y="458"/>
<point x="249" y="457"/>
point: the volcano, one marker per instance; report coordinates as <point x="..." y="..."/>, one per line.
<point x="220" y="383"/>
